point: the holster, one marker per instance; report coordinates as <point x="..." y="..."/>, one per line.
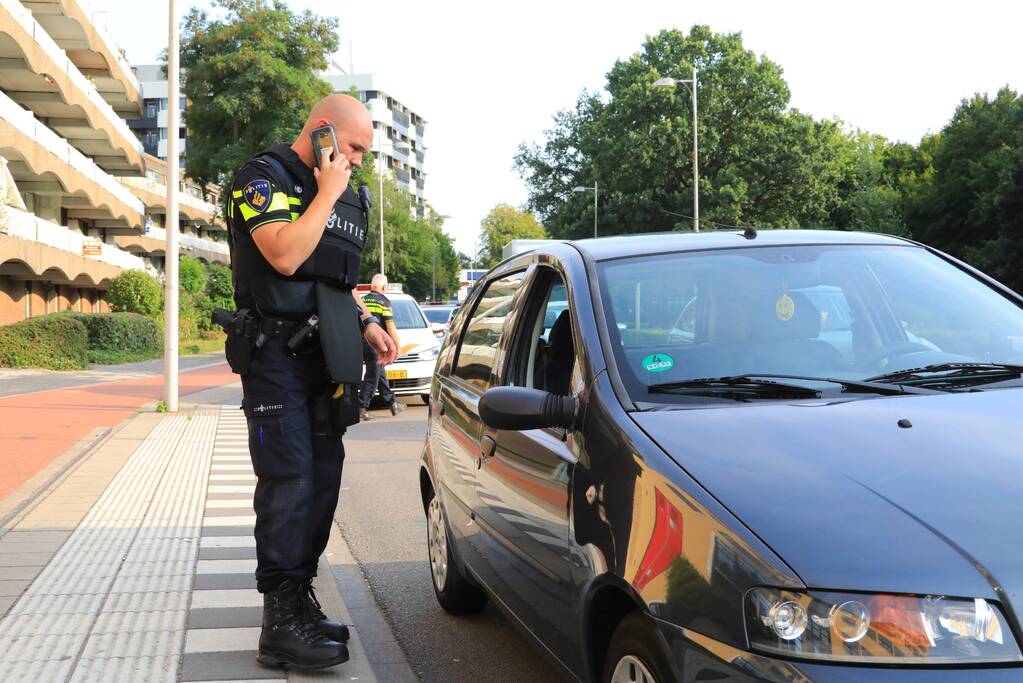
<point x="243" y="337"/>
<point x="335" y="410"/>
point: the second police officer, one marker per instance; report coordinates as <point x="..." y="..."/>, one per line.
<point x="297" y="232"/>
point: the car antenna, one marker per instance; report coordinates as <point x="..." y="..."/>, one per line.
<point x="749" y="232"/>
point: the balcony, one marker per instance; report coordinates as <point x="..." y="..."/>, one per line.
<point x="401" y="119"/>
<point x="45" y="165"/>
<point x="34" y="248"/>
<point x="154" y="195"/>
<point x="402" y="175"/>
<point x="90" y="48"/>
<point x="154" y="242"/>
<point x="37" y="74"/>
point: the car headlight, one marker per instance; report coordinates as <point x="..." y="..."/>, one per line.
<point x="430" y="353"/>
<point x="878" y="628"/>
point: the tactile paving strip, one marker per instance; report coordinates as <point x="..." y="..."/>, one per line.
<point x="111" y="604"/>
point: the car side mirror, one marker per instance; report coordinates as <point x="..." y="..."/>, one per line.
<point x="438" y="329"/>
<point x="519" y="408"/>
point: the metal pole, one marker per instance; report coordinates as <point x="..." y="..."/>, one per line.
<point x="170" y="332"/>
<point x="696" y="165"/>
<point x="380" y="202"/>
<point x="594" y="208"/>
<point x="433" y="277"/>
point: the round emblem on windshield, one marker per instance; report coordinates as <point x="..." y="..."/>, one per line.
<point x="785" y="307"/>
<point x="658" y="362"/>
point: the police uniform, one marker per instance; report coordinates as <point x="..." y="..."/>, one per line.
<point x="375" y="378"/>
<point x="294" y="444"/>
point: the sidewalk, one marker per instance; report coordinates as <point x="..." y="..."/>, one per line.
<point x="138" y="566"/>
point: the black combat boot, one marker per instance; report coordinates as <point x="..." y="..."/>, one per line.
<point x="289" y="637"/>
<point x="328" y="627"/>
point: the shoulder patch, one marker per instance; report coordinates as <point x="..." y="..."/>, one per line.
<point x="257" y="195"/>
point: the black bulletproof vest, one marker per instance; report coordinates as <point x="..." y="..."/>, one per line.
<point x="334" y="262"/>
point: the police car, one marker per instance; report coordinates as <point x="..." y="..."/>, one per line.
<point x="412" y="373"/>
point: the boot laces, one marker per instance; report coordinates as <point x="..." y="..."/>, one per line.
<point x="312" y="605"/>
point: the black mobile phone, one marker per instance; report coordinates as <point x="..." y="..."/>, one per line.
<point x="324" y="140"/>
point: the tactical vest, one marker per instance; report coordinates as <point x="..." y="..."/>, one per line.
<point x="334" y="262"/>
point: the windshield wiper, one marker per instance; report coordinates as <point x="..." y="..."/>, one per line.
<point x="952" y="373"/>
<point x="739" y="388"/>
<point x="757" y="385"/>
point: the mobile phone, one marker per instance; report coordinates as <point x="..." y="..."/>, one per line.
<point x="324" y="140"/>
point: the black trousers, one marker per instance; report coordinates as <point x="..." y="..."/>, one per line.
<point x="298" y="472"/>
<point x="374" y="380"/>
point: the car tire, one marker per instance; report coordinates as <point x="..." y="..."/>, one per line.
<point x="455" y="593"/>
<point x="425" y="398"/>
<point x="635" y="654"/>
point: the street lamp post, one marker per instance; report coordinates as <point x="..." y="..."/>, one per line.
<point x="380" y="201"/>
<point x="586" y="188"/>
<point x="671" y="83"/>
<point x="433" y="255"/>
<point x="170" y="332"/>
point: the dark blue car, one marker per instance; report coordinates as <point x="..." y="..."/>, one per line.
<point x="774" y="456"/>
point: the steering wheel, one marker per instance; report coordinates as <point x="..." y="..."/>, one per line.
<point x="888" y="352"/>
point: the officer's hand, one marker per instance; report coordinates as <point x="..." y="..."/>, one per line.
<point x="332" y="177"/>
<point x="382" y="343"/>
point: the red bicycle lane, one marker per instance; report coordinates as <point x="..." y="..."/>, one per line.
<point x="35" y="428"/>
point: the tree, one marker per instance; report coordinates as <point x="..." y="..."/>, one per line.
<point x="503" y="224"/>
<point x="250" y="80"/>
<point x="191" y="274"/>
<point x="135" y="292"/>
<point x="968" y="198"/>
<point x="760" y="162"/>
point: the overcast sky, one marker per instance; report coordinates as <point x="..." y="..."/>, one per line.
<point x="489" y="75"/>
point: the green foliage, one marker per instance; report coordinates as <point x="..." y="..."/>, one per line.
<point x="412" y="245"/>
<point x="964" y="194"/>
<point x="191" y="274"/>
<point x="218" y="286"/>
<point x="120" y="337"/>
<point x="56" y="342"/>
<point x="503" y="224"/>
<point x="250" y="80"/>
<point x="135" y="292"/>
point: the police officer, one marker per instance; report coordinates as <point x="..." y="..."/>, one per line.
<point x="297" y="232"/>
<point x="376" y="302"/>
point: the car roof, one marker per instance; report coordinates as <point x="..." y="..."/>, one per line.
<point x="624" y="246"/>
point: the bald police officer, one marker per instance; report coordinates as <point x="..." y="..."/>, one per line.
<point x="297" y="233"/>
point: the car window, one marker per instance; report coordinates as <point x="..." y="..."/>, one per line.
<point x="846" y="311"/>
<point x="407" y="315"/>
<point x="544" y="354"/>
<point x="478" y="350"/>
<point x="438" y="314"/>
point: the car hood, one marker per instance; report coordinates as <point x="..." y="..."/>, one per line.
<point x="851" y="500"/>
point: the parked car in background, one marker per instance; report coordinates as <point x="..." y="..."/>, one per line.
<point x="439" y="317"/>
<point x="412" y="372"/>
<point x="786" y="456"/>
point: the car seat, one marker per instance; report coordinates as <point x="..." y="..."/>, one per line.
<point x="789" y="345"/>
<point x="559" y="356"/>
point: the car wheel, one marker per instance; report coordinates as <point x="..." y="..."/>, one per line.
<point x="425" y="398"/>
<point x="454" y="592"/>
<point x="635" y="654"/>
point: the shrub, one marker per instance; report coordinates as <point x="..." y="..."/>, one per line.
<point x="56" y="342"/>
<point x="135" y="292"/>
<point x="120" y="337"/>
<point x="218" y="285"/>
<point x="191" y="275"/>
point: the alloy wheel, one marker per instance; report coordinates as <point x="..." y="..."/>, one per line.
<point x="631" y="669"/>
<point x="437" y="537"/>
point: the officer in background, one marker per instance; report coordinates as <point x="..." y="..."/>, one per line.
<point x="375" y="380"/>
<point x="297" y="233"/>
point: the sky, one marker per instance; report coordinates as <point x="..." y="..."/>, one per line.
<point x="488" y="76"/>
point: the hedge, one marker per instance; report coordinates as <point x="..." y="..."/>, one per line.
<point x="117" y="336"/>
<point x="56" y="342"/>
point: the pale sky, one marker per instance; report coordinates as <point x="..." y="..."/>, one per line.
<point x="489" y="75"/>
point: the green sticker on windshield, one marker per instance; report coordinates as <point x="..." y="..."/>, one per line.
<point x="658" y="362"/>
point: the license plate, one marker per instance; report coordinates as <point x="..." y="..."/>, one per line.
<point x="397" y="374"/>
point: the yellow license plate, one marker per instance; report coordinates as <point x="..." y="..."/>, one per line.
<point x="397" y="374"/>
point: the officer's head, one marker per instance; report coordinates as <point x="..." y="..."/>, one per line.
<point x="352" y="126"/>
<point x="378" y="283"/>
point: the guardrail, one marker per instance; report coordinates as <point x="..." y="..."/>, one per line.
<point x="28" y="226"/>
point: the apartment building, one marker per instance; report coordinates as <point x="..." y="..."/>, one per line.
<point x="398" y="131"/>
<point x="151" y="129"/>
<point x="82" y="199"/>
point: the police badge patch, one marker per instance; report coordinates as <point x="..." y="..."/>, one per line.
<point x="257" y="195"/>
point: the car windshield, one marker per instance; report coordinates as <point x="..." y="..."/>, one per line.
<point x="842" y="311"/>
<point x="407" y="314"/>
<point x="437" y="314"/>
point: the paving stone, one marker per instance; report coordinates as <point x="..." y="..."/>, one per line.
<point x="248" y="553"/>
<point x="14" y="588"/>
<point x="25" y="559"/>
<point x="245" y="597"/>
<point x="129" y="622"/>
<point x="147" y="668"/>
<point x="221" y="639"/>
<point x="225" y="617"/>
<point x="217" y="666"/>
<point x="225" y="581"/>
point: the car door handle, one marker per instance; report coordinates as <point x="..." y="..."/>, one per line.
<point x="488" y="446"/>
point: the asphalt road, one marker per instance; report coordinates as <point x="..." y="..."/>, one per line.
<point x="382" y="518"/>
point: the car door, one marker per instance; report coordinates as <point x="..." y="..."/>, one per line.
<point x="525" y="477"/>
<point x="458" y="440"/>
